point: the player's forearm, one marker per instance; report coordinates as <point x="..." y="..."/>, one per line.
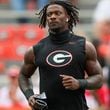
<point x="95" y="75"/>
<point x="25" y="85"/>
<point x="92" y="82"/>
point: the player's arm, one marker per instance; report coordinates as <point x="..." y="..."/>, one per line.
<point x="27" y="70"/>
<point x="93" y="68"/>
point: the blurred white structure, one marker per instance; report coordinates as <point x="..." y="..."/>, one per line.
<point x="102" y="11"/>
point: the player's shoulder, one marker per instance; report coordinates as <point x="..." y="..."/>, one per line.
<point x="89" y="45"/>
<point x="41" y="42"/>
<point x="90" y="50"/>
<point x="78" y="37"/>
<point x="40" y="45"/>
<point x="29" y="54"/>
<point x="31" y="51"/>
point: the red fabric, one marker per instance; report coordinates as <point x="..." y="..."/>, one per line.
<point x="103" y="95"/>
<point x="103" y="49"/>
<point x="109" y="97"/>
<point x="105" y="38"/>
<point x="87" y="93"/>
<point x="15" y="107"/>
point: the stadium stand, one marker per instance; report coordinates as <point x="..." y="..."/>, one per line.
<point x="15" y="40"/>
<point x="86" y="11"/>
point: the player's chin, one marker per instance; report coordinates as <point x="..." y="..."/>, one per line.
<point x="54" y="28"/>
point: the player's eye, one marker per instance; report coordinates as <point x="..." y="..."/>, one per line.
<point x="58" y="13"/>
<point x="49" y="14"/>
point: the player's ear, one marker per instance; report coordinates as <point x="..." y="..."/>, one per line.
<point x="67" y="19"/>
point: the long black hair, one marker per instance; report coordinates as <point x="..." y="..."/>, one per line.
<point x="72" y="11"/>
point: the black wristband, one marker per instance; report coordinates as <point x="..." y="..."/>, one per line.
<point x="83" y="83"/>
<point x="28" y="93"/>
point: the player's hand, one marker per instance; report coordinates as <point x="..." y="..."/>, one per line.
<point x="32" y="101"/>
<point x="69" y="82"/>
<point x="37" y="103"/>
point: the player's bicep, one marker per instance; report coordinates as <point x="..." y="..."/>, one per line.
<point x="28" y="67"/>
<point x="93" y="68"/>
<point x="92" y="65"/>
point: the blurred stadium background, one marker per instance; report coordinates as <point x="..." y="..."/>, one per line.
<point x="19" y="30"/>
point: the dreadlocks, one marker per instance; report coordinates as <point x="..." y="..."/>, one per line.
<point x="72" y="11"/>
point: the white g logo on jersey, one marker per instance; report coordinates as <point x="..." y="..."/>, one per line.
<point x="59" y="58"/>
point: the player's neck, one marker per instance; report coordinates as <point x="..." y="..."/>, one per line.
<point x="60" y="37"/>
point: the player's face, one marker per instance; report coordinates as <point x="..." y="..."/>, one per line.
<point x="57" y="17"/>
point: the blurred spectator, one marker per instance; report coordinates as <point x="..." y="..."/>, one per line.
<point x="23" y="5"/>
<point x="11" y="98"/>
<point x="32" y="5"/>
<point x="98" y="99"/>
<point x="4" y="1"/>
<point x="18" y="5"/>
<point x="91" y="101"/>
<point x="101" y="23"/>
<point x="41" y="3"/>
